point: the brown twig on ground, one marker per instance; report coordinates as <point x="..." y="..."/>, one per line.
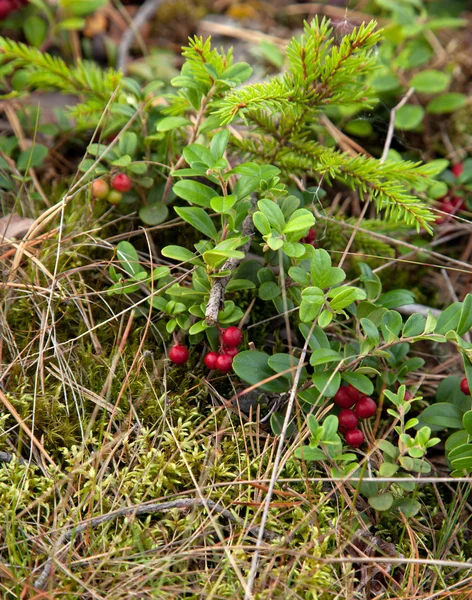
<point x="144" y="509"/>
<point x="144" y="13"/>
<point x="217" y="294"/>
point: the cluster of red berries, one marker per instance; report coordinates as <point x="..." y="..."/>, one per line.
<point x="222" y="361"/>
<point x="451" y="204"/>
<point x="465" y="387"/>
<point x="346" y="397"/>
<point x="9" y="6"/>
<point x="310" y="238"/>
<point x="120" y="183"/>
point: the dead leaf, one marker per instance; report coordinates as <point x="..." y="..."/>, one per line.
<point x="14" y="226"/>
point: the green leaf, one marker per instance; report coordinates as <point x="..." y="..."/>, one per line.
<point x="195" y="192"/>
<point x="180" y="254"/>
<point x="253" y="367"/>
<point x="128" y="143"/>
<point x="430" y="81"/>
<point x="391" y="325"/>
<point x="218" y="143"/>
<point x="32" y="157"/>
<point x="153" y="214"/>
<point x="269" y="290"/>
<point x="449" y="319"/>
<point x="198" y="218"/>
<point x="409" y="116"/>
<point x="382" y="502"/>
<point x="327" y="382"/>
<point x="169" y="123"/>
<point x="238" y="72"/>
<point x="223" y="204"/>
<point x="309" y="453"/>
<point x="323" y="275"/>
<point x="465" y="319"/>
<point x="35" y="29"/>
<point x="276" y="423"/>
<point x="440" y="416"/>
<point x="312" y="301"/>
<point x="407" y="506"/>
<point x="281" y="362"/>
<point x="301" y="220"/>
<point x="197" y="153"/>
<point x="467" y="422"/>
<point x="129" y="259"/>
<point x="273" y="213"/>
<point x="345" y="295"/>
<point x="396" y="298"/>
<point x="446" y="103"/>
<point x="323" y="356"/>
<point x="388" y="469"/>
<point x="359" y="381"/>
<point x="414" y="326"/>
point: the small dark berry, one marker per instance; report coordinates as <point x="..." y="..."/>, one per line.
<point x="366" y="408"/>
<point x="5" y="8"/>
<point x="224" y="363"/>
<point x="121" y="183"/>
<point x="408" y="396"/>
<point x="232" y="337"/>
<point x="210" y="360"/>
<point x="347" y="419"/>
<point x="465" y="387"/>
<point x="355" y="438"/>
<point x="355" y="394"/>
<point x="343" y="398"/>
<point x="178" y="354"/>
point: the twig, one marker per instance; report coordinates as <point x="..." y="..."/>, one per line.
<point x="275" y="468"/>
<point x="144" y="13"/>
<point x="217" y="294"/>
<point x="143" y="509"/>
<point x="391" y="125"/>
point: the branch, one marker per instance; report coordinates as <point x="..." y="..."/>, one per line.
<point x="144" y="13"/>
<point x="145" y="509"/>
<point x="217" y="294"/>
<point x="391" y="125"/>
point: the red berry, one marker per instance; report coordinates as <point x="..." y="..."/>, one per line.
<point x="347" y="419"/>
<point x="408" y="396"/>
<point x="343" y="398"/>
<point x="457" y="169"/>
<point x="100" y="189"/>
<point x="121" y="183"/>
<point x="232" y="337"/>
<point x="114" y="197"/>
<point x="366" y="408"/>
<point x="465" y="387"/>
<point x="355" y="394"/>
<point x="224" y="363"/>
<point x="458" y="203"/>
<point x="231" y="352"/>
<point x="355" y="438"/>
<point x="178" y="354"/>
<point x="5" y="8"/>
<point x="210" y="360"/>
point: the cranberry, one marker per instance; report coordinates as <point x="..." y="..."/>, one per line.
<point x="408" y="396"/>
<point x="355" y="394"/>
<point x="465" y="387"/>
<point x="178" y="354"/>
<point x="232" y="337"/>
<point x="347" y="419"/>
<point x="457" y="169"/>
<point x="100" y="189"/>
<point x="231" y="352"/>
<point x="5" y="8"/>
<point x="343" y="398"/>
<point x="366" y="408"/>
<point x="210" y="360"/>
<point x="114" y="197"/>
<point x="355" y="438"/>
<point x="310" y="238"/>
<point x="224" y="363"/>
<point x="121" y="183"/>
<point x="458" y="203"/>
<point x="448" y="207"/>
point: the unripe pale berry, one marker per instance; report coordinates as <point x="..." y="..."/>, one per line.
<point x="465" y="387"/>
<point x="354" y="438"/>
<point x="232" y="337"/>
<point x="366" y="408"/>
<point x="100" y="189"/>
<point x="347" y="419"/>
<point x="121" y="183"/>
<point x="114" y="197"/>
<point x="224" y="363"/>
<point x="343" y="398"/>
<point x="210" y="360"/>
<point x="178" y="354"/>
